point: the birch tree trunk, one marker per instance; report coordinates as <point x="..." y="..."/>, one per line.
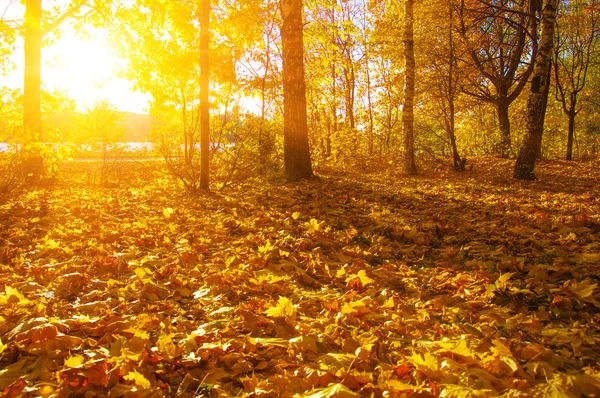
<point x="536" y="103"/>
<point x="408" y="117"/>
<point x="296" y="152"/>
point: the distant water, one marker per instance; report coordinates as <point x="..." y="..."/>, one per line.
<point x="127" y="146"/>
<point x="136" y="146"/>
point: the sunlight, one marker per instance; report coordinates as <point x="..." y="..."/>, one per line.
<point x="86" y="69"/>
<point x="251" y="104"/>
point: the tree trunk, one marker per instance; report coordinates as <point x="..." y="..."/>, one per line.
<point x="459" y="164"/>
<point x="262" y="149"/>
<point x="295" y="130"/>
<point x="408" y="117"/>
<point x="571" y="133"/>
<point x="504" y="124"/>
<point x="525" y="164"/>
<point x="333" y="109"/>
<point x="32" y="114"/>
<point x="204" y="99"/>
<point x="369" y="106"/>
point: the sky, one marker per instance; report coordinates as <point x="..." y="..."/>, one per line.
<point x="84" y="68"/>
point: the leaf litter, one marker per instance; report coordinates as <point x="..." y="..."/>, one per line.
<point x="353" y="285"/>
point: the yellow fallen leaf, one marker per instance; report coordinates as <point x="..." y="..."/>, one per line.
<point x="583" y="289"/>
<point x="168" y="212"/>
<point x="364" y="279"/>
<point x="362" y="276"/>
<point x="295" y="215"/>
<point x="456" y="391"/>
<point x="13" y="295"/>
<point x="426" y="364"/>
<point x="334" y="390"/>
<point x="74" y="361"/>
<point x="2" y="346"/>
<point x="138" y="379"/>
<point x="313" y="225"/>
<point x="398" y="386"/>
<point x="284" y="308"/>
<point x="501" y="282"/>
<point x="356" y="308"/>
<point x="389" y="303"/>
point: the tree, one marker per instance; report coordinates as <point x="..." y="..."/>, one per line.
<point x="168" y="47"/>
<point x="100" y="123"/>
<point x="408" y="117"/>
<point x="295" y="128"/>
<point x="11" y="111"/>
<point x="204" y="95"/>
<point x="536" y="103"/>
<point x="9" y="29"/>
<point x="34" y="31"/>
<point x="499" y="36"/>
<point x="32" y="112"/>
<point x="575" y="39"/>
<point x="443" y="76"/>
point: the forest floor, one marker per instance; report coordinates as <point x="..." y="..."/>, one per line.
<point x="357" y="284"/>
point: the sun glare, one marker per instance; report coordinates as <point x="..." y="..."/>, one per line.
<point x="87" y="69"/>
<point x="84" y="68"/>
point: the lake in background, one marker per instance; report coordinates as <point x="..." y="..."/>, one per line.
<point x="126" y="146"/>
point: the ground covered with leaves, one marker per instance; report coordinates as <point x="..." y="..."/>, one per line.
<point x="357" y="284"/>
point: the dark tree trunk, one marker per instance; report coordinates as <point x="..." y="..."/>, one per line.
<point x="204" y="98"/>
<point x="502" y="105"/>
<point x="533" y="140"/>
<point x="32" y="114"/>
<point x="571" y="134"/>
<point x="536" y="103"/>
<point x="408" y="116"/>
<point x="296" y="151"/>
<point x="459" y="164"/>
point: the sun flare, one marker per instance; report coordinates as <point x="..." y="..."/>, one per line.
<point x="85" y="68"/>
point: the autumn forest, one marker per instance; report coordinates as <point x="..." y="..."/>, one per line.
<point x="287" y="198"/>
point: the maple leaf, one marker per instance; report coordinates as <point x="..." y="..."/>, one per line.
<point x="335" y="390"/>
<point x="502" y="281"/>
<point x="138" y="379"/>
<point x="427" y="364"/>
<point x="74" y="361"/>
<point x="283" y="309"/>
<point x="389" y="303"/>
<point x="168" y="212"/>
<point x="583" y="289"/>
<point x="398" y="386"/>
<point x="356" y="308"/>
<point x="313" y="225"/>
<point x="456" y="391"/>
<point x="362" y="277"/>
<point x="303" y="344"/>
<point x="13" y="295"/>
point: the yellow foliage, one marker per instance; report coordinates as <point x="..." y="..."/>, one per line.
<point x="138" y="379"/>
<point x="283" y="309"/>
